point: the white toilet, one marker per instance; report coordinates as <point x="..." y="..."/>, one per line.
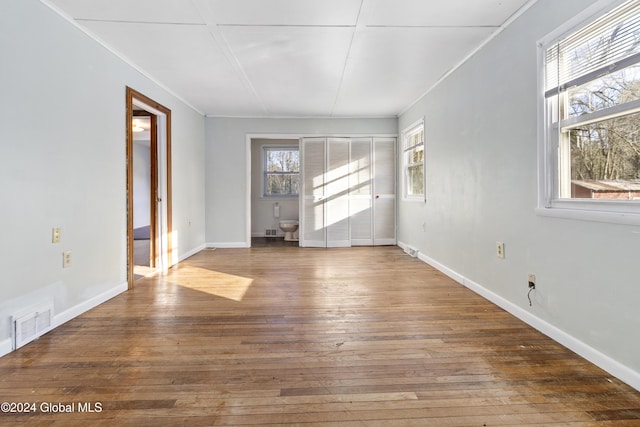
<point x="290" y="228"/>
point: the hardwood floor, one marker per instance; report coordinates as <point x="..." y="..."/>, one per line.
<point x="273" y="336"/>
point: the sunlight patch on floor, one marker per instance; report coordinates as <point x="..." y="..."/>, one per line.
<point x="216" y="283"/>
<point x="143" y="271"/>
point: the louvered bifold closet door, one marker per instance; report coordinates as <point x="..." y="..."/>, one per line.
<point x="384" y="189"/>
<point x="361" y="192"/>
<point x="337" y="193"/>
<point x="312" y="227"/>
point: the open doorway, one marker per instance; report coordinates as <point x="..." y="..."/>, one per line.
<point x="275" y="182"/>
<point x="145" y="191"/>
<point x="149" y="245"/>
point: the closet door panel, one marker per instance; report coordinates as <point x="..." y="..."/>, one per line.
<point x="385" y="221"/>
<point x="361" y="223"/>
<point x="337" y="193"/>
<point x="360" y="167"/>
<point x="312" y="228"/>
<point x="384" y="182"/>
<point x="384" y="153"/>
<point x="361" y="192"/>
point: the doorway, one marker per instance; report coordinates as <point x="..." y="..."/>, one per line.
<point x="149" y="244"/>
<point x="145" y="192"/>
<point x="274" y="171"/>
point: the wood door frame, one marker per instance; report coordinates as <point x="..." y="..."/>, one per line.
<point x="131" y="96"/>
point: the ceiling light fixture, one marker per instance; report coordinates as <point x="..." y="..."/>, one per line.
<point x="136" y="127"/>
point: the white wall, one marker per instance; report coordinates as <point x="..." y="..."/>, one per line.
<point x="228" y="186"/>
<point x="262" y="207"/>
<point x="481" y="150"/>
<point x="62" y="164"/>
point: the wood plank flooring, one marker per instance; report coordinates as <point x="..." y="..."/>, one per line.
<point x="314" y="337"/>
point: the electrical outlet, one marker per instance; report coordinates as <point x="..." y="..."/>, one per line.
<point x="66" y="259"/>
<point x="500" y="250"/>
<point x="532" y="281"/>
<point x="55" y="235"/>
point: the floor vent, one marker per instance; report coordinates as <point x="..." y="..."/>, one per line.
<point x="270" y="232"/>
<point x="28" y="327"/>
<point x="411" y="251"/>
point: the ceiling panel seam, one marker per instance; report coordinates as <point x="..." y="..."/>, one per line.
<point x="431" y="26"/>
<point x="224" y="46"/>
<point x="492" y="36"/>
<point x="117" y="53"/>
<point x="219" y="41"/>
<point x="283" y="26"/>
<point x="346" y="59"/>
<point x="122" y="21"/>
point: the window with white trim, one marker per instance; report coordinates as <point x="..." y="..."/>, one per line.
<point x="591" y="156"/>
<point x="281" y="171"/>
<point x="413" y="161"/>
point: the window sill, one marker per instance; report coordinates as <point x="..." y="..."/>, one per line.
<point x="625" y="218"/>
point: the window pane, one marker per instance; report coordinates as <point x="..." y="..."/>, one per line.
<point x="282" y="160"/>
<point x="415" y="180"/>
<point x="612" y="89"/>
<point x="414" y="138"/>
<point x="606" y="41"/>
<point x="282" y="184"/>
<point x="605" y="159"/>
<point x="417" y="155"/>
<point x="414" y="156"/>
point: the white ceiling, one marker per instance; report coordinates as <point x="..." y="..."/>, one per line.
<point x="294" y="58"/>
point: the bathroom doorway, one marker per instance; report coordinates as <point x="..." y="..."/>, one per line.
<point x="275" y="184"/>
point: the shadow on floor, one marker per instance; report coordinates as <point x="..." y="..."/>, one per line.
<point x="262" y="242"/>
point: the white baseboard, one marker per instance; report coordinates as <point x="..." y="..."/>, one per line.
<point x="191" y="253"/>
<point x="596" y="357"/>
<point x="442" y="268"/>
<point x="85" y="306"/>
<point x="6" y="346"/>
<point x="228" y="245"/>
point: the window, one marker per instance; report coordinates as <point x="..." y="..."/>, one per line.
<point x="413" y="158"/>
<point x="591" y="155"/>
<point x="281" y="171"/>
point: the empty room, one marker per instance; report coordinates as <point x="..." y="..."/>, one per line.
<point x="320" y="212"/>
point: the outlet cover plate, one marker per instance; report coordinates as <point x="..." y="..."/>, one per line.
<point x="500" y="250"/>
<point x="55" y="235"/>
<point x="66" y="259"/>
